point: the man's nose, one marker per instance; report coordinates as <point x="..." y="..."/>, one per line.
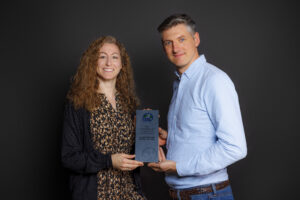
<point x="175" y="47"/>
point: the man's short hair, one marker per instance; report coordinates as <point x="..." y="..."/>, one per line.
<point x="176" y="19"/>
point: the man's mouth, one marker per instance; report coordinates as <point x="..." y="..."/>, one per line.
<point x="178" y="55"/>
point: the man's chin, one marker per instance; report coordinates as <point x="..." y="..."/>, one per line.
<point x="179" y="65"/>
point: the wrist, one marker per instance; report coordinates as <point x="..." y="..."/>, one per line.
<point x="174" y="166"/>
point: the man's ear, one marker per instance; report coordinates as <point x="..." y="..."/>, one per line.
<point x="197" y="39"/>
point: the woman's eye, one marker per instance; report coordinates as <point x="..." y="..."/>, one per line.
<point x="115" y="57"/>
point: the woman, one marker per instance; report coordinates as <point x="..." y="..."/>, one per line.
<point x="98" y="133"/>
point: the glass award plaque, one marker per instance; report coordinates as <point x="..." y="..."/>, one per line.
<point x="146" y="136"/>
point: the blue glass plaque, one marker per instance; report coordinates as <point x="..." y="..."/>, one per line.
<point x="146" y="136"/>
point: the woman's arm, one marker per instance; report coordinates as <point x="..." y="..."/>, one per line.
<point x="74" y="156"/>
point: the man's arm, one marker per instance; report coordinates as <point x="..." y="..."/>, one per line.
<point x="221" y="102"/>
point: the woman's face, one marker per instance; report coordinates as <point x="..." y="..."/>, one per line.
<point x="109" y="63"/>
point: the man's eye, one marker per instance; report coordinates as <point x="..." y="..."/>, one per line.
<point x="166" y="43"/>
<point x="181" y="39"/>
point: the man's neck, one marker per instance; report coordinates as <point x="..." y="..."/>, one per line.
<point x="181" y="70"/>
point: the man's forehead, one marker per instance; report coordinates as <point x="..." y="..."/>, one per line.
<point x="174" y="32"/>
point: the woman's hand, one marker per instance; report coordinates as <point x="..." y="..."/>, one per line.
<point x="124" y="162"/>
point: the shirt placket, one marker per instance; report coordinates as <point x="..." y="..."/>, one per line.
<point x="175" y="107"/>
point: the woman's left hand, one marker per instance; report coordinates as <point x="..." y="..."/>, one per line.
<point x="124" y="162"/>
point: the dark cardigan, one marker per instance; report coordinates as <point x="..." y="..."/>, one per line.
<point x="79" y="156"/>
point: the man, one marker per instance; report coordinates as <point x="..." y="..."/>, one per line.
<point x="205" y="130"/>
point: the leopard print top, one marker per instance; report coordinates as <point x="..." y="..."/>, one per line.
<point x="113" y="132"/>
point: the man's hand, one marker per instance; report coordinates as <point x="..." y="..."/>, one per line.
<point x="163" y="135"/>
<point x="124" y="162"/>
<point x="163" y="165"/>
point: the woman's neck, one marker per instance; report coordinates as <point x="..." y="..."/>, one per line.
<point x="107" y="87"/>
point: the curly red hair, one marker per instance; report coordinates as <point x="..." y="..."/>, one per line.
<point x="84" y="84"/>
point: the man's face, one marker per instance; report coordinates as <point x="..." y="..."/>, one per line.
<point x="180" y="46"/>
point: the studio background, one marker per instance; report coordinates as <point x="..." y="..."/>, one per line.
<point x="255" y="43"/>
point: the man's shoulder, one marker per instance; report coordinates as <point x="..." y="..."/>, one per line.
<point x="211" y="72"/>
<point x="213" y="76"/>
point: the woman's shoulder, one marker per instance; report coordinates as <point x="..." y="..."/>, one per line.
<point x="70" y="108"/>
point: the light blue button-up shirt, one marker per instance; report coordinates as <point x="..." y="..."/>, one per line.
<point x="205" y="129"/>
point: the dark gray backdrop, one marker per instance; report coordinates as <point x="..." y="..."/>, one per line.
<point x="256" y="43"/>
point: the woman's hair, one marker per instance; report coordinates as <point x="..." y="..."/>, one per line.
<point x="85" y="83"/>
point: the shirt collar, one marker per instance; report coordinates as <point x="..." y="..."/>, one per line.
<point x="192" y="68"/>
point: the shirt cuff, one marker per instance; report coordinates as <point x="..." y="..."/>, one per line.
<point x="180" y="169"/>
<point x="108" y="161"/>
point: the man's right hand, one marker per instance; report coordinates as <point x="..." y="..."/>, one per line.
<point x="163" y="165"/>
<point x="163" y="135"/>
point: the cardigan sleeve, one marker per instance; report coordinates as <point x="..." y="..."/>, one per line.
<point x="73" y="152"/>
